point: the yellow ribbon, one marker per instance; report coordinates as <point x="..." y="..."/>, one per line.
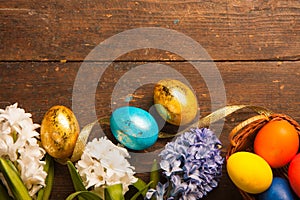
<point x="203" y="122"/>
<point x="243" y="124"/>
<point x="217" y="115"/>
<point x="81" y="141"/>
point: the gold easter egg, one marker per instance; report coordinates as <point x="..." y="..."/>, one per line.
<point x="59" y="131"/>
<point x="175" y="102"/>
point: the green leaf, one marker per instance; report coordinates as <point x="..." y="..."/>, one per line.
<point x="142" y="191"/>
<point x="4" y="192"/>
<point x="76" y="179"/>
<point x="14" y="181"/>
<point x="86" y="194"/>
<point x="45" y="192"/>
<point x="141" y="185"/>
<point x="114" y="192"/>
<point x="154" y="175"/>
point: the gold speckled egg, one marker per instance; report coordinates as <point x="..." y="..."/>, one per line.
<point x="175" y="102"/>
<point x="59" y="131"/>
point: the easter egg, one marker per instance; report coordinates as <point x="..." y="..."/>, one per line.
<point x="249" y="172"/>
<point x="279" y="190"/>
<point x="294" y="174"/>
<point x="59" y="131"/>
<point x="277" y="142"/>
<point x="133" y="127"/>
<point x="175" y="102"/>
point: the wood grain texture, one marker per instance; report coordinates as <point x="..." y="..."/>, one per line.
<point x="228" y="30"/>
<point x="255" y="46"/>
<point x="39" y="85"/>
<point x="272" y="84"/>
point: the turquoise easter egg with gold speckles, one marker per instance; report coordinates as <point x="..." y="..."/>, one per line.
<point x="134" y="127"/>
<point x="175" y="102"/>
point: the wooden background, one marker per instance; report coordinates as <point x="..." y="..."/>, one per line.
<point x="254" y="43"/>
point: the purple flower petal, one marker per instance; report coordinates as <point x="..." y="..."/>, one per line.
<point x="194" y="163"/>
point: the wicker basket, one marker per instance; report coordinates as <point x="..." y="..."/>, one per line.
<point x="242" y="139"/>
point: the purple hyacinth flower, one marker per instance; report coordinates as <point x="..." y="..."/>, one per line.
<point x="192" y="164"/>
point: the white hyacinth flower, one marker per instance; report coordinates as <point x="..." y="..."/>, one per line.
<point x="19" y="143"/>
<point x="103" y="164"/>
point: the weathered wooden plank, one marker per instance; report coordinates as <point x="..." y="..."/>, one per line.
<point x="271" y="84"/>
<point x="39" y="85"/>
<point x="228" y="30"/>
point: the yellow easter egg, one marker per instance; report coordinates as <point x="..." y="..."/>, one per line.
<point x="59" y="131"/>
<point x="175" y="102"/>
<point x="249" y="172"/>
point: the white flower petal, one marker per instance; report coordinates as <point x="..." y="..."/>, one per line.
<point x="18" y="142"/>
<point x="103" y="163"/>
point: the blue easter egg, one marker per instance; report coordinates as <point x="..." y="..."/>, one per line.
<point x="133" y="127"/>
<point x="279" y="190"/>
